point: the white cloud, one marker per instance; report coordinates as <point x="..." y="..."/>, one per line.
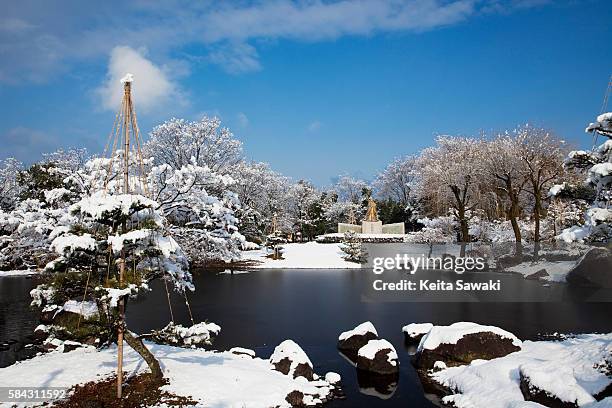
<point x="314" y="126"/>
<point x="243" y="120"/>
<point x="151" y="88"/>
<point x="235" y="57"/>
<point x="40" y="39"/>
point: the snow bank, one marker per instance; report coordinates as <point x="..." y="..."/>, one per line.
<point x="362" y="329"/>
<point x="456" y="331"/>
<point x="214" y="379"/>
<point x="566" y="369"/>
<point x="416" y="329"/>
<point x="374" y="346"/>
<point x="310" y="255"/>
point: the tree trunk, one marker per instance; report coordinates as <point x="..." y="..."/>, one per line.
<point x="144" y="352"/>
<point x="515" y="228"/>
<point x="537" y="207"/>
<point x="513" y="214"/>
<point x="461" y="208"/>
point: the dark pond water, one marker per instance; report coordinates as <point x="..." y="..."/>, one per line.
<point x="259" y="310"/>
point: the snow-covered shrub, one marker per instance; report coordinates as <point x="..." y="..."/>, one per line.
<point x="597" y="166"/>
<point x="198" y="335"/>
<point x="353" y="249"/>
<point x="10" y="189"/>
<point x="436" y="230"/>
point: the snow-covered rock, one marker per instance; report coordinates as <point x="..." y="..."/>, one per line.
<point x="439" y="365"/>
<point x="378" y="356"/>
<point x="568" y="371"/>
<point x="240" y="351"/>
<point x="414" y="332"/>
<point x="351" y="341"/>
<point x="289" y="358"/>
<point x="462" y="342"/>
<point x="332" y="378"/>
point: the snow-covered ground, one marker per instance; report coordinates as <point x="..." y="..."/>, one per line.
<point x="214" y="379"/>
<point x="310" y="255"/>
<point x="557" y="271"/>
<point x="364" y="236"/>
<point x="565" y="369"/>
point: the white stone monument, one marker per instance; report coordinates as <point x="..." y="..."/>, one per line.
<point x="371" y="224"/>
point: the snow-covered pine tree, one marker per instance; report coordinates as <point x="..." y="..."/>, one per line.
<point x="353" y="249"/>
<point x="597" y="165"/>
<point x="107" y="234"/>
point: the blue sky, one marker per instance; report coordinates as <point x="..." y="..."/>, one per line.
<point x="315" y="88"/>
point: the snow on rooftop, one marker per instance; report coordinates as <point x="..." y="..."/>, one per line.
<point x="415" y="329"/>
<point x="374" y="346"/>
<point x="213" y="379"/>
<point x="363" y="328"/>
<point x="456" y="331"/>
<point x="566" y="369"/>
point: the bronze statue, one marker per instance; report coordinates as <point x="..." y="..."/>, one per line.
<point x="371" y="215"/>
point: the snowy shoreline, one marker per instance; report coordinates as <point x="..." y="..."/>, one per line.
<point x="212" y="378"/>
<point x="24" y="272"/>
<point x="309" y="255"/>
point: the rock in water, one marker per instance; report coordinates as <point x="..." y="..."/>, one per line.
<point x="378" y="356"/>
<point x="593" y="269"/>
<point x="462" y="342"/>
<point x="349" y="342"/>
<point x="414" y="332"/>
<point x="290" y="359"/>
<point x="541" y="274"/>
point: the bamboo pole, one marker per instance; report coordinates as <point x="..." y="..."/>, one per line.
<point x="126" y="190"/>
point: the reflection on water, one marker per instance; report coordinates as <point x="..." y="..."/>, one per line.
<point x="259" y="310"/>
<point x="312" y="307"/>
<point x="17" y="319"/>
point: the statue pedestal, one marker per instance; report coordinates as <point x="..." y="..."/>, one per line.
<point x="371" y="227"/>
